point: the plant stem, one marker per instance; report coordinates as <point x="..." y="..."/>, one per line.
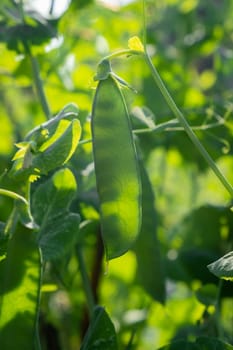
<point x="13" y="195"/>
<point x="86" y="281"/>
<point x="37" y="336"/>
<point x="11" y="223"/>
<point x="119" y="53"/>
<point x="39" y="86"/>
<point x="36" y="72"/>
<point x="186" y="126"/>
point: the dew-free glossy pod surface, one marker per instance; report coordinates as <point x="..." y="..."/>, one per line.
<point x="116" y="167"/>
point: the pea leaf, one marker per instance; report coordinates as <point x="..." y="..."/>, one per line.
<point x="69" y="112"/>
<point x="50" y="206"/>
<point x="200" y="249"/>
<point x="223" y="267"/>
<point x="54" y="152"/>
<point x="59" y="235"/>
<point x="180" y="344"/>
<point x="150" y="268"/>
<point x="201" y="343"/>
<point x="101" y="334"/>
<point x="19" y="291"/>
<point x="32" y="28"/>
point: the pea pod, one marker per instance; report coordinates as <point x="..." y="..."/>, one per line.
<point x="116" y="167"/>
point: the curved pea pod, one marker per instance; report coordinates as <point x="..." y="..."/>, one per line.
<point x="116" y="168"/>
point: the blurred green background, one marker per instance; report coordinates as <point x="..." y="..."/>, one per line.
<point x="190" y="43"/>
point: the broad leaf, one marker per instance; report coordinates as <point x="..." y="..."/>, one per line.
<point x="31" y="28"/>
<point x="52" y="153"/>
<point x="101" y="334"/>
<point x="201" y="343"/>
<point x="223" y="267"/>
<point x="50" y="205"/>
<point x="58" y="235"/>
<point x="19" y="292"/>
<point x="201" y="236"/>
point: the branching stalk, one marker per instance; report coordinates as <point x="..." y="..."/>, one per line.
<point x="186" y="126"/>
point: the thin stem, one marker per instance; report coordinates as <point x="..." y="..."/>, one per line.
<point x="13" y="195"/>
<point x="144" y="40"/>
<point x="39" y="86"/>
<point x="11" y="223"/>
<point x="86" y="281"/>
<point x="119" y="53"/>
<point x="82" y="142"/>
<point x="51" y="7"/>
<point x="37" y="336"/>
<point x="36" y="73"/>
<point x="170" y="125"/>
<point x="186" y="126"/>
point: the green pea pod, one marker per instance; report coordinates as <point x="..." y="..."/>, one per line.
<point x="116" y="167"/>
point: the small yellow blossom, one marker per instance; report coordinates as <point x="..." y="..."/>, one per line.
<point x="135" y="43"/>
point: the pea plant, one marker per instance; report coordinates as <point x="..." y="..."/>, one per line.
<point x="61" y="223"/>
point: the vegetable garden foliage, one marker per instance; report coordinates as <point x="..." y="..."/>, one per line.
<point x="115" y="207"/>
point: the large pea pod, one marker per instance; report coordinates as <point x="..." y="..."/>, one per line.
<point x="116" y="168"/>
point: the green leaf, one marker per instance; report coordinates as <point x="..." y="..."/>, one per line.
<point x="31" y="28"/>
<point x="180" y="345"/>
<point x="58" y="236"/>
<point x="150" y="269"/>
<point x="223" y="267"/>
<point x="19" y="292"/>
<point x="50" y="206"/>
<point x="205" y="343"/>
<point x="69" y="112"/>
<point x="213" y="227"/>
<point x="101" y="334"/>
<point x="201" y="343"/>
<point x="53" y="153"/>
<point x="60" y="151"/>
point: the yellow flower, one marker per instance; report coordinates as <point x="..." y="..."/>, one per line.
<point x="135" y="43"/>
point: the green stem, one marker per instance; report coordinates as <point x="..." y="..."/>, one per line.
<point x="170" y="125"/>
<point x="13" y="195"/>
<point x="186" y="126"/>
<point x="39" y="86"/>
<point x="11" y="223"/>
<point x="37" y="335"/>
<point x="36" y="73"/>
<point x="86" y="281"/>
<point x="119" y="53"/>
